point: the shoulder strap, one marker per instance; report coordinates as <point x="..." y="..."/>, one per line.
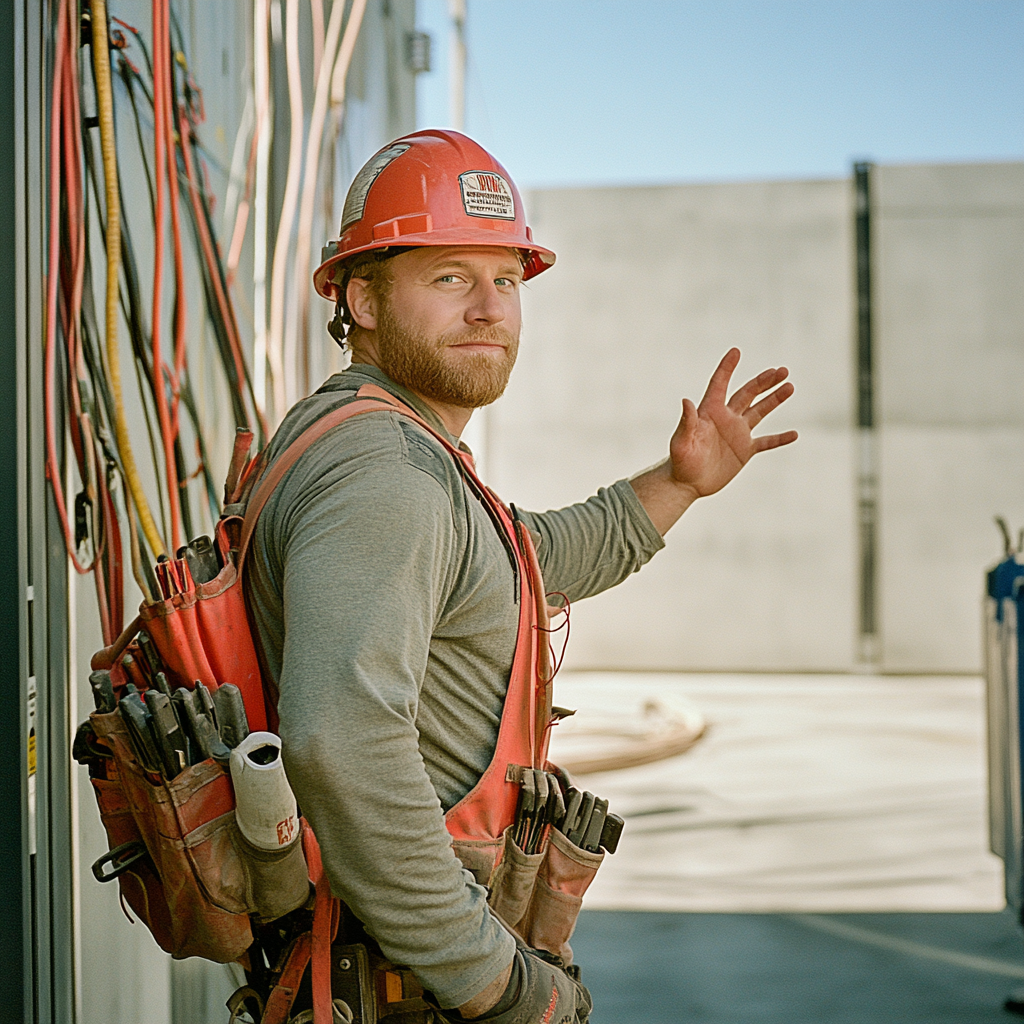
<point x="369" y="398"/>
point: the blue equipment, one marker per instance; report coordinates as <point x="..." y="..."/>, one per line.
<point x="1004" y="677"/>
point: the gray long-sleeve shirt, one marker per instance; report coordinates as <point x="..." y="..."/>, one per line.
<point x="384" y="602"/>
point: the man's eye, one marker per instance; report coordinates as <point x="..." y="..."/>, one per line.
<point x="448" y="278"/>
<point x="504" y="282"/>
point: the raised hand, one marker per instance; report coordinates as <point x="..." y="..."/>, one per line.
<point x="713" y="441"/>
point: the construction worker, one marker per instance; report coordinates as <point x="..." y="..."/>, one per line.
<point x="385" y="598"/>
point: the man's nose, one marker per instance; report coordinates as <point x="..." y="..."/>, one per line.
<point x="486" y="306"/>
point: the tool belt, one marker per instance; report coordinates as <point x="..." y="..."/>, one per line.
<point x="180" y="859"/>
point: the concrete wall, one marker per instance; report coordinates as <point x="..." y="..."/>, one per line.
<point x="950" y="328"/>
<point x="653" y="285"/>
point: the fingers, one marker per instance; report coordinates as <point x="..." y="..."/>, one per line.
<point x="756" y="413"/>
<point x="764" y="444"/>
<point x="718" y="386"/>
<point x="764" y="381"/>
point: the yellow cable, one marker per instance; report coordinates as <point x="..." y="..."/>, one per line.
<point x="105" y="103"/>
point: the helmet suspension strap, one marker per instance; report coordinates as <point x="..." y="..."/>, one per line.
<point x="336" y="327"/>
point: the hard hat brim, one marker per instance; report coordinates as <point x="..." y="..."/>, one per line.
<point x="538" y="259"/>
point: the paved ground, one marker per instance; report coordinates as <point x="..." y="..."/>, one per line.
<point x="809" y="793"/>
<point x="819" y="858"/>
<point x="665" y="968"/>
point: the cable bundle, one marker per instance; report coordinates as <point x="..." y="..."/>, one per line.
<point x="287" y="340"/>
<point x="82" y="363"/>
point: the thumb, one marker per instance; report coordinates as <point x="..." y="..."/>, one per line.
<point x="688" y="424"/>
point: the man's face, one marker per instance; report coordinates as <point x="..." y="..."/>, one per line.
<point x="448" y="325"/>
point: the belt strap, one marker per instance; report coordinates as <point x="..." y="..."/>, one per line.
<point x="326" y="916"/>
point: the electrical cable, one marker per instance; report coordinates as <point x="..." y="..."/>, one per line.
<point x="202" y="227"/>
<point x="161" y="75"/>
<point x="316" y="13"/>
<point x="50" y="355"/>
<point x="180" y="307"/>
<point x="104" y="98"/>
<point x="341" y="65"/>
<point x="189" y="113"/>
<point x="279" y="273"/>
<point x="300" y="323"/>
<point x="264" y="135"/>
<point x="328" y="70"/>
<point x="236" y="201"/>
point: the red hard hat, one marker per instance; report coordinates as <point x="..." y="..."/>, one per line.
<point x="435" y="187"/>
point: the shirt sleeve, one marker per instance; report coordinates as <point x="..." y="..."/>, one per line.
<point x="591" y="546"/>
<point x="367" y="566"/>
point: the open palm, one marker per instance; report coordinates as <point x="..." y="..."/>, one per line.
<point x="713" y="441"/>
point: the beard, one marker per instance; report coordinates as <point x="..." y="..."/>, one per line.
<point x="430" y="366"/>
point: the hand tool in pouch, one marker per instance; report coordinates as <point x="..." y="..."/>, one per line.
<point x="136" y="720"/>
<point x="167" y="733"/>
<point x="102" y="692"/>
<point x="230" y="714"/>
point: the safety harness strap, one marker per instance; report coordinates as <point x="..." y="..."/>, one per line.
<point x="267" y="484"/>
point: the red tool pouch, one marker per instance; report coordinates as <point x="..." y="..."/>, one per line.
<point x="202" y="634"/>
<point x="194" y="875"/>
<point x="181" y="862"/>
<point x="200" y="880"/>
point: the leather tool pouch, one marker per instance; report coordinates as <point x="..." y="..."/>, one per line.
<point x="538" y="896"/>
<point x="199" y="880"/>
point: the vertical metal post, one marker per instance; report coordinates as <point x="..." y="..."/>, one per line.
<point x="37" y="899"/>
<point x="867" y="477"/>
<point x="15" y="905"/>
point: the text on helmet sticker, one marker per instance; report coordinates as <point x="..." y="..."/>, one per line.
<point x="355" y="201"/>
<point x="487" y="194"/>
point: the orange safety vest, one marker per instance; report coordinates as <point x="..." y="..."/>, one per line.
<point x="477" y="822"/>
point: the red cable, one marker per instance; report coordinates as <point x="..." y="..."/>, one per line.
<point x="161" y="72"/>
<point x="180" y="308"/>
<point x="52" y="464"/>
<point x="208" y="254"/>
<point x="70" y="264"/>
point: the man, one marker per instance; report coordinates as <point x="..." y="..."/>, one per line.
<point x="383" y="594"/>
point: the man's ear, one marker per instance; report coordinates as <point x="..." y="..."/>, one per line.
<point x="362" y="303"/>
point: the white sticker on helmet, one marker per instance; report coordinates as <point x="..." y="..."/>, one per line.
<point x="355" y="201"/>
<point x="487" y="194"/>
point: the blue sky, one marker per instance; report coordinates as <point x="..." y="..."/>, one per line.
<point x="594" y="92"/>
